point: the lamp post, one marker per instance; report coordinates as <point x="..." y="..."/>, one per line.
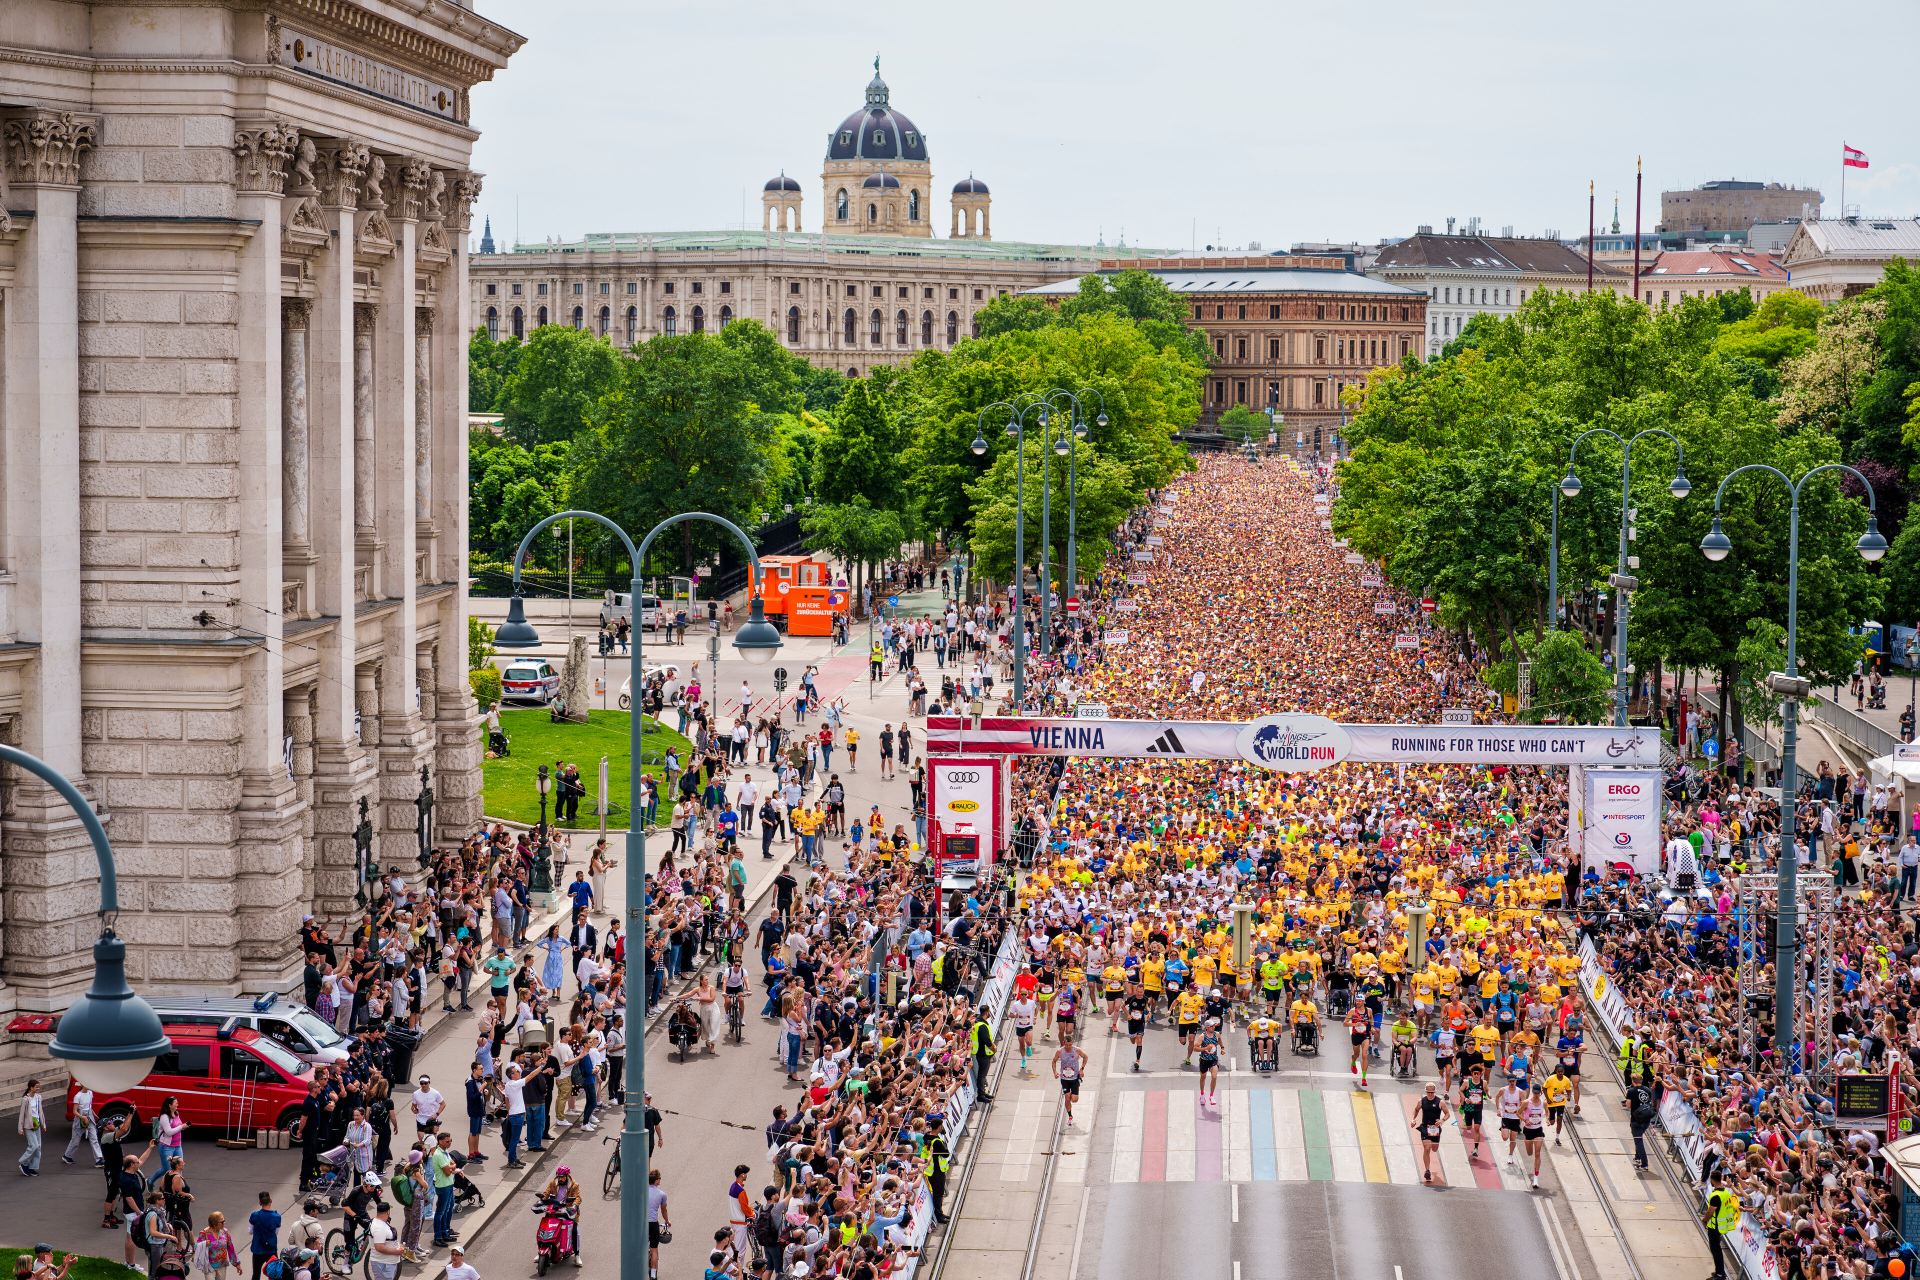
<point x="756" y="640"/>
<point x="1069" y="445"/>
<point x="1016" y="427"/>
<point x="1791" y="687"/>
<point x="109" y="1037"/>
<point x="1913" y="684"/>
<point x="541" y="882"/>
<point x="1623" y="584"/>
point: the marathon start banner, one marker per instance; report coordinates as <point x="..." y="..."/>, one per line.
<point x="1297" y="743"/>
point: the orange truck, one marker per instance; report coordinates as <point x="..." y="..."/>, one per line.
<point x="804" y="591"/>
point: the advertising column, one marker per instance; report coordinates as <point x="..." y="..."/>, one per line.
<point x="966" y="805"/>
<point x="1619" y="813"/>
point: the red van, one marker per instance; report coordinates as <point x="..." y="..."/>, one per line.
<point x="228" y="1081"/>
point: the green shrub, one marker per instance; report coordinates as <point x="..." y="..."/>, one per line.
<point x="485" y="683"/>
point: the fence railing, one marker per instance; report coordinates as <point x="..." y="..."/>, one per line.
<point x="1853" y="726"/>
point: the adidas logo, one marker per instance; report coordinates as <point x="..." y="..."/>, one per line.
<point x="1167" y="744"/>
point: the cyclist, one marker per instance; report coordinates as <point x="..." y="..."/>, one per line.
<point x="1403" y="1037"/>
<point x="358" y="1208"/>
<point x="734" y="983"/>
<point x="1430" y="1112"/>
<point x="1360" y="1035"/>
<point x="1210" y="1062"/>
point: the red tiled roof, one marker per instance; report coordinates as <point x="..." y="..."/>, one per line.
<point x="1680" y="264"/>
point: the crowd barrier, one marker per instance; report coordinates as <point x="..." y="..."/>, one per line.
<point x="993" y="999"/>
<point x="1747" y="1243"/>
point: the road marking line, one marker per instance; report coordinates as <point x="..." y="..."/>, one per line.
<point x="1300" y="1156"/>
<point x="1343" y="1140"/>
<point x="1366" y="1124"/>
<point x="1236" y="1201"/>
<point x="1128" y="1128"/>
<point x="1181" y="1145"/>
<point x="1239" y="1132"/>
<point x="1396" y="1141"/>
<point x="1079" y="1232"/>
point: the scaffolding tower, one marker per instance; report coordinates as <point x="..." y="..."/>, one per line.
<point x="1758" y="900"/>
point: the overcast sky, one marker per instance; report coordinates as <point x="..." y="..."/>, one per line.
<point x="1214" y="123"/>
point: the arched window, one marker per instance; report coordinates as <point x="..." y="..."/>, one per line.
<point x="926" y="328"/>
<point x="953" y="327"/>
<point x="519" y="323"/>
<point x="848" y="323"/>
<point x="579" y="317"/>
<point x="852" y="372"/>
<point x="669" y="322"/>
<point x="913" y="206"/>
<point x="793" y="326"/>
<point x="874" y="322"/>
<point x="873" y="213"/>
<point x="606" y="320"/>
<point x="900" y="329"/>
<point x="698" y="316"/>
<point x="726" y="316"/>
<point x="493" y="324"/>
<point x="840" y="205"/>
<point x="633" y="325"/>
<point x="540" y="318"/>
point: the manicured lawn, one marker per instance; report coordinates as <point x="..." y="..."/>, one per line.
<point x="84" y="1266"/>
<point x="511" y="790"/>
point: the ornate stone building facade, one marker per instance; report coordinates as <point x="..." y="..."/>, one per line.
<point x="868" y="289"/>
<point x="232" y="349"/>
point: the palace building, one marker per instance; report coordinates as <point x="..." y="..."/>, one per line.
<point x="872" y="286"/>
<point x="233" y="332"/>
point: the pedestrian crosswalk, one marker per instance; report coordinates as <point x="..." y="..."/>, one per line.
<point x="1292" y="1135"/>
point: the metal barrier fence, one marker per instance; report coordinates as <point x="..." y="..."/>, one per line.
<point x="1854" y="727"/>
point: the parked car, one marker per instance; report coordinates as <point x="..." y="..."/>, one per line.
<point x="619" y="604"/>
<point x="228" y="1081"/>
<point x="286" y="1021"/>
<point x="529" y="680"/>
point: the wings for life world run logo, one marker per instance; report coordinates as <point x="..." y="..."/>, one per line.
<point x="1293" y="744"/>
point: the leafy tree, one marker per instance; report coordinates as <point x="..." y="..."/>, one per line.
<point x="776" y="378"/>
<point x="1819" y="387"/>
<point x="1569" y="685"/>
<point x="553" y="388"/>
<point x="680" y="431"/>
<point x="480" y="648"/>
<point x="861" y="453"/>
<point x="498" y="468"/>
<point x="1780" y="328"/>
<point x="485" y="684"/>
<point x="856" y="532"/>
<point x="488" y="364"/>
<point x="1101" y="485"/>
<point x="1900" y="573"/>
<point x="1015" y="313"/>
<point x="1240" y="424"/>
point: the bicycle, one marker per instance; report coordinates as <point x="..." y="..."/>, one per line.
<point x="737" y="1018"/>
<point x="345" y="1248"/>
<point x="610" y="1182"/>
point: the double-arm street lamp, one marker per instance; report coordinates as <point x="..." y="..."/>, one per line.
<point x="756" y="641"/>
<point x="1066" y="445"/>
<point x="1791" y="687"/>
<point x="1623" y="583"/>
<point x="1016" y="427"/>
<point x="109" y="1037"/>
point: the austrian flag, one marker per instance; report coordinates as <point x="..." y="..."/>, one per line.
<point x="1852" y="157"/>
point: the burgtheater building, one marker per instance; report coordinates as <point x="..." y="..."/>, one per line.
<point x="233" y="525"/>
<point x="872" y="286"/>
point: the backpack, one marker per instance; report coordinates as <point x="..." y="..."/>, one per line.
<point x="138" y="1231"/>
<point x="402" y="1190"/>
<point x="274" y="1270"/>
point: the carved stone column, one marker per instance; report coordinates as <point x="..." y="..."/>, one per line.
<point x="46" y="873"/>
<point x="298" y="762"/>
<point x="296" y="441"/>
<point x="423" y="419"/>
<point x="364" y="497"/>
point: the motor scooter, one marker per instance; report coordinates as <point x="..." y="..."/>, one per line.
<point x="554" y="1239"/>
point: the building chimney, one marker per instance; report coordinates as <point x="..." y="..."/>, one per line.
<point x="1449" y="226"/>
<point x="1507" y="231"/>
<point x="1425" y="228"/>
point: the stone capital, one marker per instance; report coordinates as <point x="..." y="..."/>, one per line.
<point x="365" y="316"/>
<point x="262" y="151"/>
<point x="466" y="190"/>
<point x="406" y="191"/>
<point x="341" y="170"/>
<point x="295" y="313"/>
<point x="423" y="322"/>
<point x="43" y="147"/>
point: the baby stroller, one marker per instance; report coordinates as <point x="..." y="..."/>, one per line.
<point x="333" y="1176"/>
<point x="465" y="1194"/>
<point x="499" y="744"/>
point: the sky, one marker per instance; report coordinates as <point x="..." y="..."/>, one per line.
<point x="1226" y="123"/>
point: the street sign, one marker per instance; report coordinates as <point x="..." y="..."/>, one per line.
<point x="893" y="602"/>
<point x="1090" y="711"/>
<point x="1073" y="604"/>
<point x="1456" y="715"/>
<point x="779" y="679"/>
<point x="1136" y="579"/>
<point x="1711" y="748"/>
<point x="1427" y="605"/>
<point x="1406" y="641"/>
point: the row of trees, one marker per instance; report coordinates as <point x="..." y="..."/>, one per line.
<point x="1456" y="464"/>
<point x="733" y="423"/>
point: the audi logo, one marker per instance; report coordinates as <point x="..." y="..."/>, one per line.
<point x="963" y="775"/>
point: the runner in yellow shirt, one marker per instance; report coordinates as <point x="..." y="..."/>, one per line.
<point x="1558" y="1088"/>
<point x="1187" y="1009"/>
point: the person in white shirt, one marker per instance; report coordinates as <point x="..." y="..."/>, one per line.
<point x="388" y="1253"/>
<point x="86" y="1126"/>
<point x="1909" y="866"/>
<point x="515" y="1087"/>
<point x="457" y="1268"/>
<point x="427" y="1104"/>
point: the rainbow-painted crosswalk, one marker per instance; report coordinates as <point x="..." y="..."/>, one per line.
<point x="1291" y="1135"/>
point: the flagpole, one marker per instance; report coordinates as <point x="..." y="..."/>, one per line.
<point x="1589" y="235"/>
<point x="1636" y="228"/>
<point x="1843" y="179"/>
